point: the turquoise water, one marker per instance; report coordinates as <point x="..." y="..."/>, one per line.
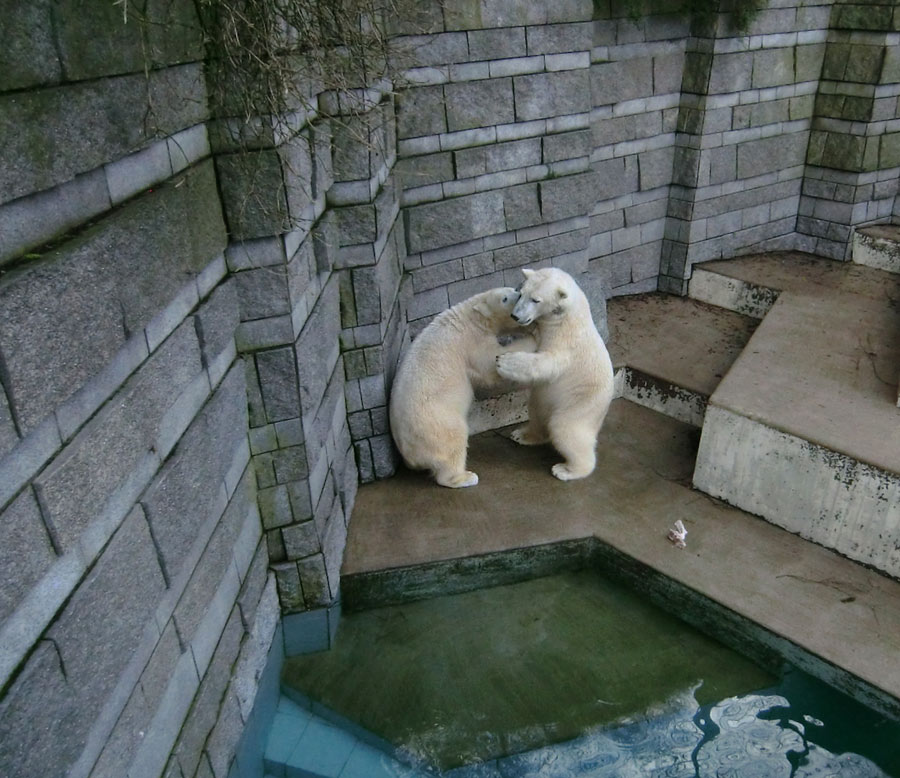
<point x="800" y="728"/>
<point x="569" y="676"/>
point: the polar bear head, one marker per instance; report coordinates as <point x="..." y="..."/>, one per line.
<point x="496" y="305"/>
<point x="546" y="294"/>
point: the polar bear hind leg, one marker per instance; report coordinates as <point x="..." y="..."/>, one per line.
<point x="449" y="465"/>
<point x="577" y="444"/>
<point x="534" y="432"/>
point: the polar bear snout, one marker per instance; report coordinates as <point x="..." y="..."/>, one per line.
<point x="523" y="312"/>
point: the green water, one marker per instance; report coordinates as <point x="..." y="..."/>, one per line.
<point x="500" y="671"/>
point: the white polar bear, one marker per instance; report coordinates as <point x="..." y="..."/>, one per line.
<point x="433" y="390"/>
<point x="571" y="374"/>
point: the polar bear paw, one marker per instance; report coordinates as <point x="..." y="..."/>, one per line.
<point x="527" y="437"/>
<point x="514" y="366"/>
<point x="564" y="473"/>
<point x="458" y="480"/>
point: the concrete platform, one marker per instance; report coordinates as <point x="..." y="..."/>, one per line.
<point x="804" y="429"/>
<point x="752" y="584"/>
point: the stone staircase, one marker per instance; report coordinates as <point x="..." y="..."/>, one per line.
<point x="804" y="429"/>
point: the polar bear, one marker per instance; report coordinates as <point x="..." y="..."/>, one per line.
<point x="433" y="391"/>
<point x="571" y="374"/>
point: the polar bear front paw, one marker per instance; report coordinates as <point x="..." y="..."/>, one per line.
<point x="514" y="367"/>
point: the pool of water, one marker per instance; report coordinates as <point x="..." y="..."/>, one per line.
<point x="573" y="675"/>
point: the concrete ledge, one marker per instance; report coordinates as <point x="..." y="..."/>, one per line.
<point x="817" y="493"/>
<point x="877" y="246"/>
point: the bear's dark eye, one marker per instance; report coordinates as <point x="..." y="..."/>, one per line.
<point x="535" y="301"/>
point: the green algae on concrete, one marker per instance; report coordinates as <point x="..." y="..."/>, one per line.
<point x="474" y="676"/>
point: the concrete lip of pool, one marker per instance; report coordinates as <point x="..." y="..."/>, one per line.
<point x="533" y="628"/>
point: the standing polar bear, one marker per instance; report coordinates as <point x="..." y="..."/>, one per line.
<point x="571" y="375"/>
<point x="433" y="390"/>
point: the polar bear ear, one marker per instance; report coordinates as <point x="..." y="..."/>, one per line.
<point x="484" y="309"/>
<point x="527" y="273"/>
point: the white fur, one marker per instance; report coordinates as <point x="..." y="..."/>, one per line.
<point x="433" y="391"/>
<point x="571" y="375"/>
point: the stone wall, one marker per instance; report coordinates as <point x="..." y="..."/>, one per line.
<point x="197" y="338"/>
<point x="136" y="607"/>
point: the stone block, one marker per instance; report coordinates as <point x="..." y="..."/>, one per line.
<point x="426" y="50"/>
<point x="96" y="39"/>
<point x="772" y="67"/>
<point x="173" y="32"/>
<point x="808" y="61"/>
<point x="318" y="348"/>
<point x="543" y="95"/>
<point x="438" y="275"/>
<point x="722" y="164"/>
<point x="217" y="319"/>
<point x="205" y="709"/>
<point x="262" y="293"/>
<point x="275" y="506"/>
<point x="500" y="43"/>
<point x="9" y="437"/>
<point x="424" y="170"/>
<point x="104" y="621"/>
<point x="356" y="224"/>
<point x="253" y="193"/>
<point x="42" y="728"/>
<point x="479" y="103"/>
<point x="767" y="155"/>
<point x="696" y="76"/>
<point x="862" y="16"/>
<point x="121" y="744"/>
<point x="51" y="135"/>
<point x="421" y="111"/>
<point x="667" y="73"/>
<point x="522" y="206"/>
<point x="214" y="565"/>
<point x="498" y="156"/>
<point x="621" y="80"/>
<point x="559" y="38"/>
<point x="63" y="319"/>
<point x="76" y="486"/>
<point x="253" y="585"/>
<point x="180" y="499"/>
<point x="314" y="578"/>
<point x="568" y="196"/>
<point x="223" y="739"/>
<point x="301" y="540"/>
<point x="29" y="56"/>
<point x="566" y="145"/>
<point x="457" y="220"/>
<point x="537" y="251"/>
<point x="25" y="550"/>
<point x="34" y="220"/>
<point x="731" y="72"/>
<point x="655" y="168"/>
<point x="277" y="371"/>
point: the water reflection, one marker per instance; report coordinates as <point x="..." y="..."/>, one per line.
<point x="751" y="736"/>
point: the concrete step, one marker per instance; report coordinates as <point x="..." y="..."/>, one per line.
<point x="804" y="430"/>
<point x="878" y="246"/>
<point x="671" y="352"/>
